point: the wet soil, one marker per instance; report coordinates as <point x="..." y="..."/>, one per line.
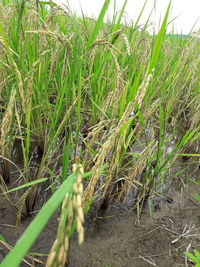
<point x="120" y="238"/>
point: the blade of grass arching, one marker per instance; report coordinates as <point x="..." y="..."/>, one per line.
<point x="31" y="233"/>
<point x="195" y="259"/>
<point x="167" y="170"/>
<point x="99" y="108"/>
<point x="98" y="24"/>
<point x="41" y="180"/>
<point x="196" y="136"/>
<point x="189" y="136"/>
<point x="24" y="243"/>
<point x="188" y="155"/>
<point x="48" y="3"/>
<point x="159" y="41"/>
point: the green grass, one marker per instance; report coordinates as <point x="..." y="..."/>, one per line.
<point x="85" y="91"/>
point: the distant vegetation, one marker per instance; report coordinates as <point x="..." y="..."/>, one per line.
<point x="179" y="35"/>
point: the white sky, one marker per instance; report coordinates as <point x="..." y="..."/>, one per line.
<point x="188" y="11"/>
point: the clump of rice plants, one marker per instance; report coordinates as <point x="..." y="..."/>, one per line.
<point x="104" y="95"/>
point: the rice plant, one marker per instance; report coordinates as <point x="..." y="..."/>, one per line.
<point x="85" y="93"/>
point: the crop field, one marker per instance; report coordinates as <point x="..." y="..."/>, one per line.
<point x="99" y="140"/>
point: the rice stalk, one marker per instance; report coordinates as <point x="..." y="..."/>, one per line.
<point x="70" y="206"/>
<point x="60" y="247"/>
<point x="20" y="205"/>
<point x="77" y="201"/>
<point x="29" y="79"/>
<point x="63" y="39"/>
<point x="108" y="146"/>
<point x="5" y="128"/>
<point x="128" y="48"/>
